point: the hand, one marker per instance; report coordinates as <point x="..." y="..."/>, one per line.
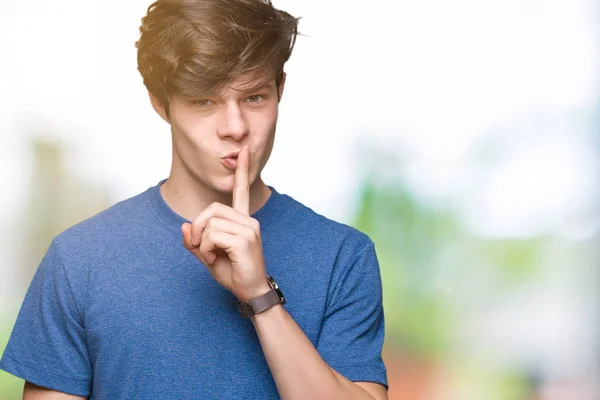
<point x="228" y="242"/>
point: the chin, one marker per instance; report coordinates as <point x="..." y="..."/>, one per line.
<point x="224" y="185"/>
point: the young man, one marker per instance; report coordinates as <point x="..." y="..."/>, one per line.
<point x="211" y="284"/>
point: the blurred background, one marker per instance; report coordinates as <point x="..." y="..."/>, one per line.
<point x="463" y="137"/>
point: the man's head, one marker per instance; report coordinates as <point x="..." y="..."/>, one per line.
<point x="203" y="63"/>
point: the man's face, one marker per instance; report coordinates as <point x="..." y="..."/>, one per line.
<point x="206" y="130"/>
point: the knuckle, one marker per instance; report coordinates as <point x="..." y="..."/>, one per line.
<point x="248" y="241"/>
<point x="255" y="225"/>
<point x="203" y="254"/>
<point x="210" y="224"/>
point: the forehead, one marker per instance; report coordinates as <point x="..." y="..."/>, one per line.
<point x="244" y="85"/>
<point x="247" y="83"/>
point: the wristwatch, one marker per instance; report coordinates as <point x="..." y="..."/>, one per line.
<point x="262" y="303"/>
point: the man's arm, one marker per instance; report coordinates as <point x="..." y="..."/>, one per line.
<point x="298" y="369"/>
<point x="34" y="392"/>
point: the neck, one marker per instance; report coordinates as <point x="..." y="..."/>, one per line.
<point x="188" y="197"/>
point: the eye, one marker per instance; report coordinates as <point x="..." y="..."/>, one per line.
<point x="203" y="102"/>
<point x="257" y="98"/>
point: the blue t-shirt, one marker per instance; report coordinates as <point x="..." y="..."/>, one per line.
<point x="119" y="309"/>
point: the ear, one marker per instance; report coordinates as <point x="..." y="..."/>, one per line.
<point x="158" y="107"/>
<point x="281" y="86"/>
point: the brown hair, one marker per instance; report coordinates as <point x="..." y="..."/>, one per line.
<point x="195" y="47"/>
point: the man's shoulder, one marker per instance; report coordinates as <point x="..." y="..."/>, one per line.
<point x="322" y="229"/>
<point x="121" y="218"/>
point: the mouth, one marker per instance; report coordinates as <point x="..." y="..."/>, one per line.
<point x="233" y="155"/>
<point x="230" y="160"/>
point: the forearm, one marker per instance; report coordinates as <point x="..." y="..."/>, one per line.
<point x="298" y="369"/>
<point x="34" y="392"/>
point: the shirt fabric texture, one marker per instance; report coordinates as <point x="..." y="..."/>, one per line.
<point x="119" y="309"/>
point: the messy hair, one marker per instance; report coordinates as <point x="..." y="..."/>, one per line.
<point x="195" y="47"/>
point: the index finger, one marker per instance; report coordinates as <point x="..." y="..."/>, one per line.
<point x="241" y="189"/>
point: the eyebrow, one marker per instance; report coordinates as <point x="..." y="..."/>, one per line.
<point x="267" y="85"/>
<point x="247" y="90"/>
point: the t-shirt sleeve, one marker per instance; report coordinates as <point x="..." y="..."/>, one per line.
<point x="352" y="333"/>
<point x="47" y="346"/>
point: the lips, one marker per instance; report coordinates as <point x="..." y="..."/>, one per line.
<point x="230" y="163"/>
<point x="233" y="155"/>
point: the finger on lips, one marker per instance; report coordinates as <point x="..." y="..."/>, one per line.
<point x="240" y="203"/>
<point x="241" y="189"/>
<point x="225" y="222"/>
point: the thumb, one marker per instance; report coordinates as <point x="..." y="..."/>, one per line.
<point x="186" y="231"/>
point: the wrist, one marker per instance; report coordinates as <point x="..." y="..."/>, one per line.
<point x="262" y="302"/>
<point x="272" y="311"/>
<point x="255" y="292"/>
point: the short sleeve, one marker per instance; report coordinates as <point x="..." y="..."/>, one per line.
<point x="47" y="346"/>
<point x="352" y="334"/>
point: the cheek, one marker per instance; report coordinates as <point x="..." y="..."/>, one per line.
<point x="190" y="122"/>
<point x="182" y="138"/>
<point x="266" y="121"/>
<point x="192" y="133"/>
<point x="191" y="149"/>
<point x="265" y="138"/>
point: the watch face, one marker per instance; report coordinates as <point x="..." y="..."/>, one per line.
<point x="277" y="290"/>
<point x="281" y="297"/>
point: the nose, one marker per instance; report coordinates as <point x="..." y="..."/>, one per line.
<point x="234" y="123"/>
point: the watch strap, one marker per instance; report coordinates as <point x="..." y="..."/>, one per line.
<point x="264" y="302"/>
